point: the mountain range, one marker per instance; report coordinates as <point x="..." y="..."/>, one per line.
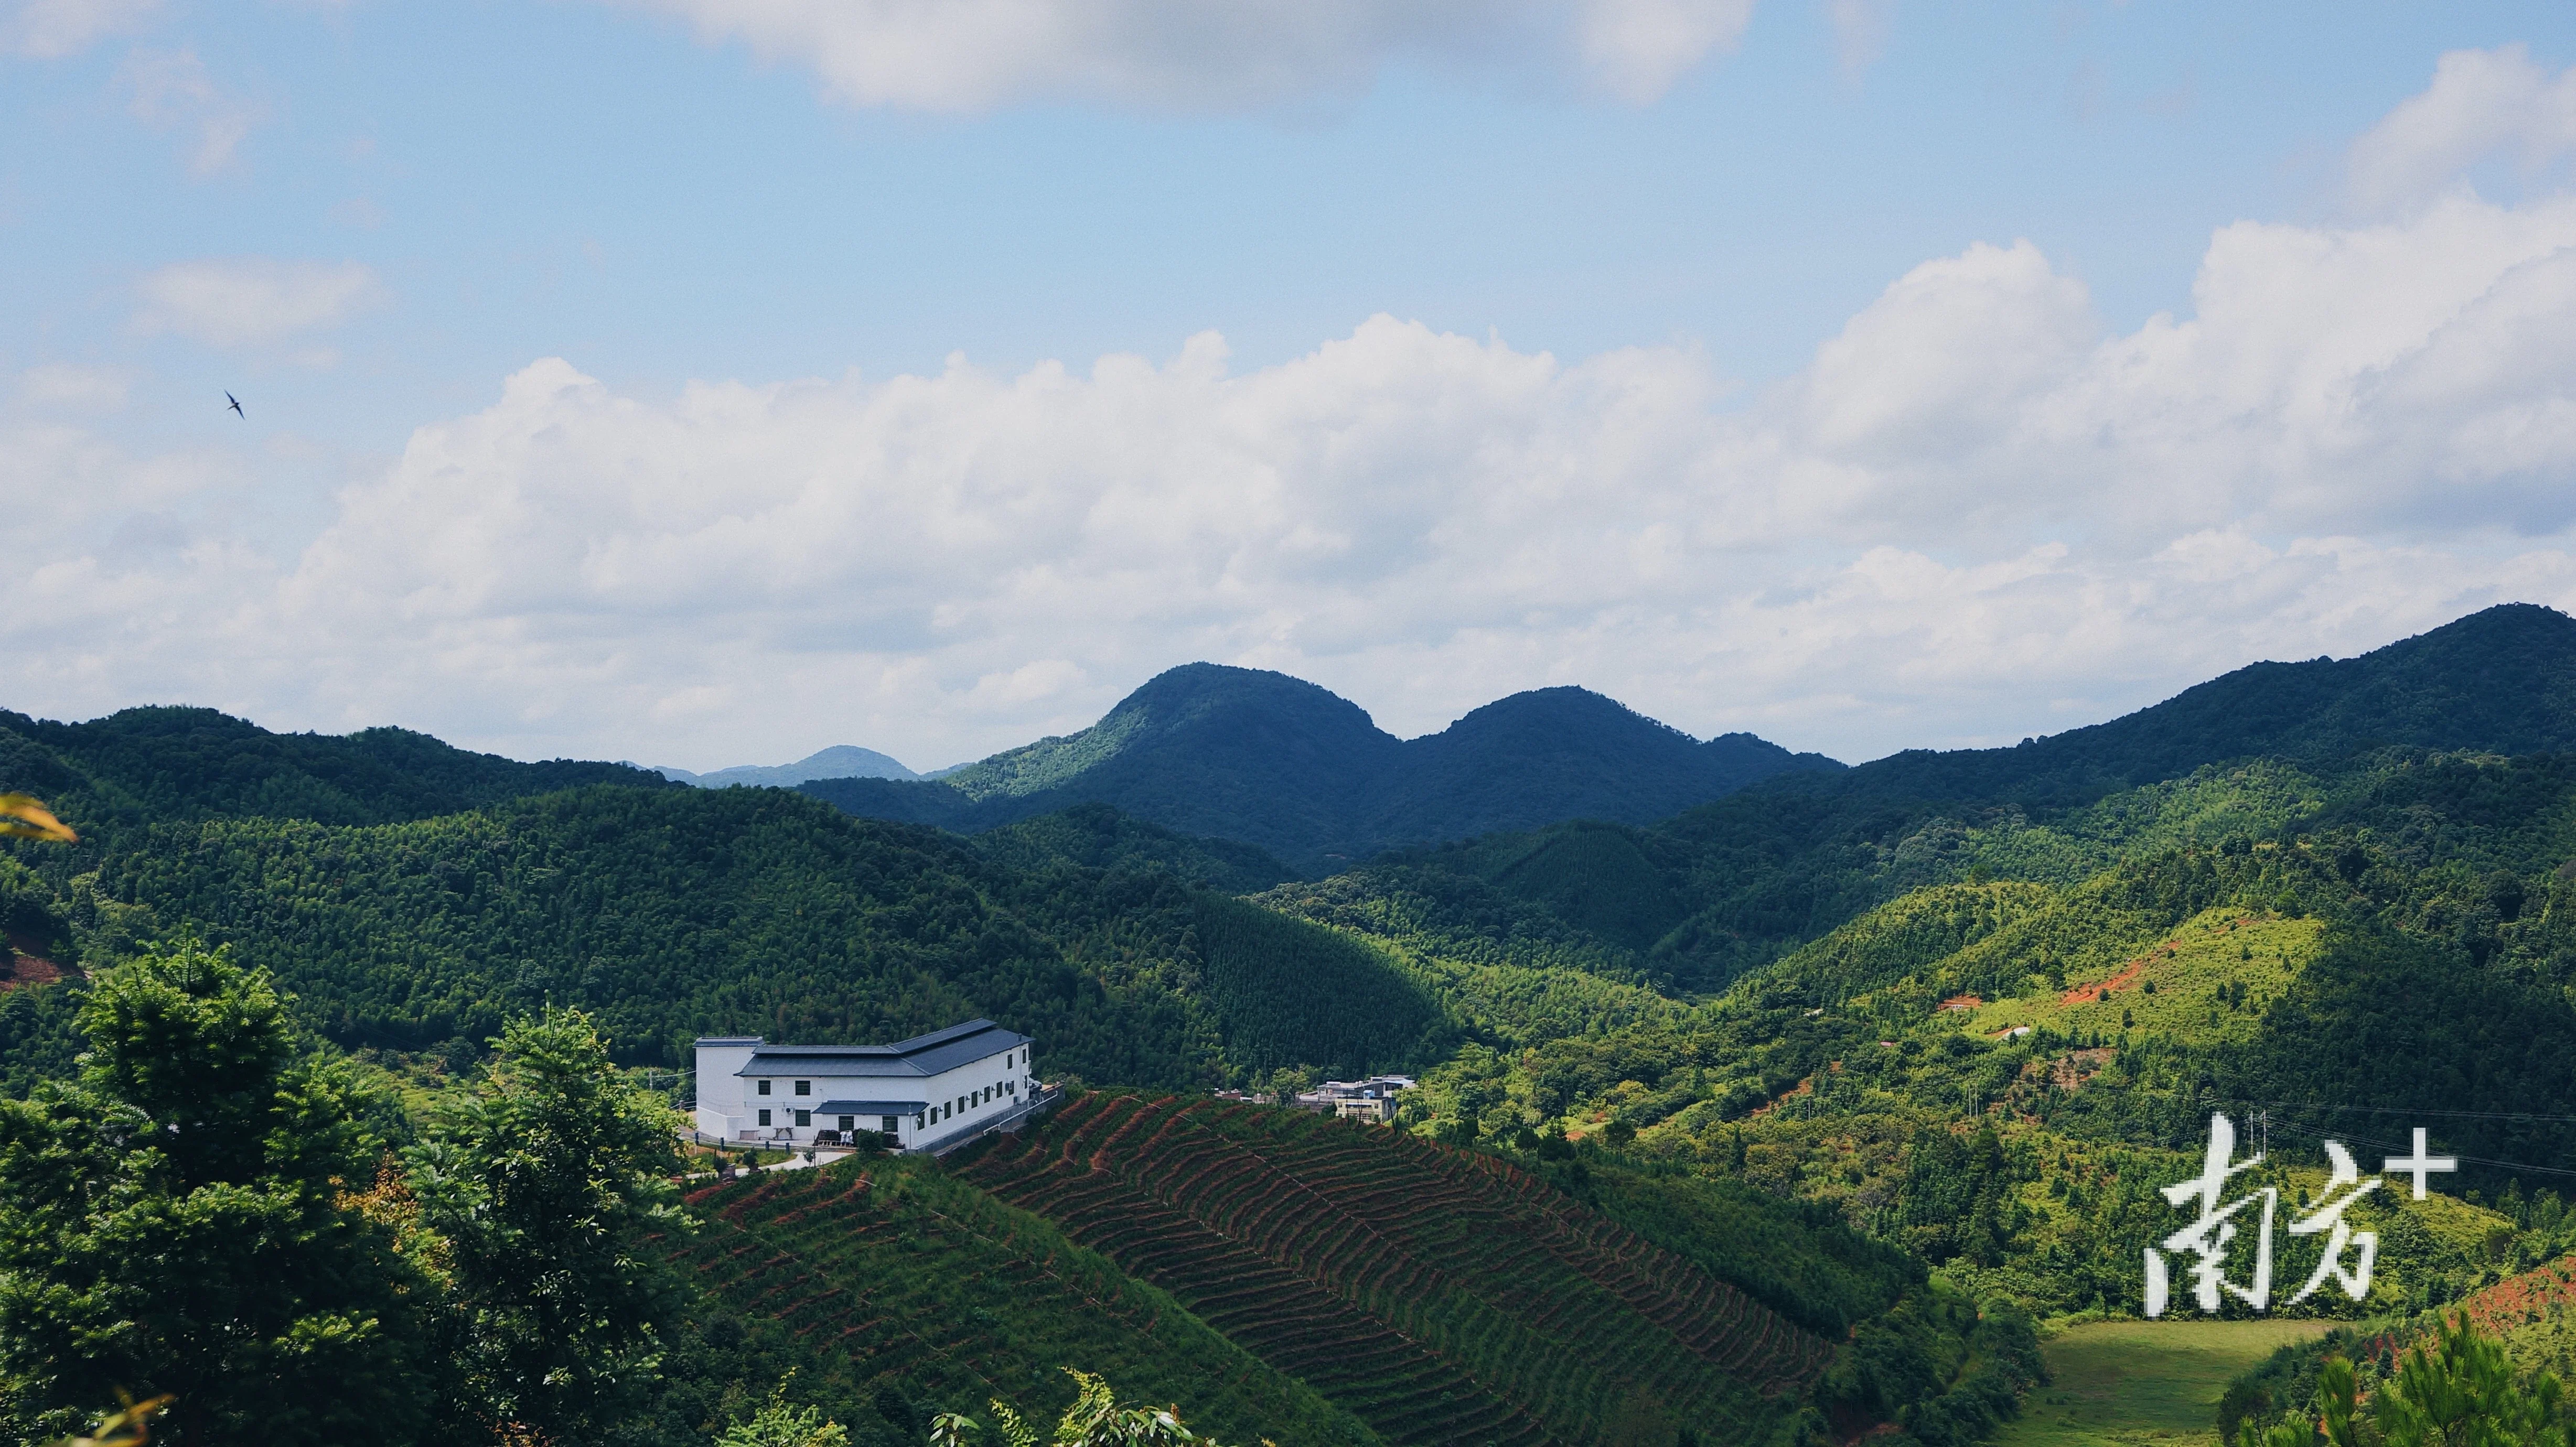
<point x="1822" y="1024"/>
<point x="841" y="761"/>
<point x="1282" y="764"/>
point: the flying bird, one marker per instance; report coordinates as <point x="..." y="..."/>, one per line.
<point x="229" y="397"/>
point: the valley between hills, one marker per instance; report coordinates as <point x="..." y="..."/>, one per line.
<point x="1761" y="1099"/>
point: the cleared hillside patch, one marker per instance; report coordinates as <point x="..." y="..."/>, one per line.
<point x="2207" y="980"/>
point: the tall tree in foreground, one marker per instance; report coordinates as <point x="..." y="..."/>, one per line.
<point x="186" y="1220"/>
<point x="545" y="1185"/>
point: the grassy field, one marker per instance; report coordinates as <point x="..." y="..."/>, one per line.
<point x="2127" y="1383"/>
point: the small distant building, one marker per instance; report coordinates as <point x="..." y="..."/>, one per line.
<point x="1372" y="1099"/>
<point x="928" y="1092"/>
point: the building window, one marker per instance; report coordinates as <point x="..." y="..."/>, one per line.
<point x="764" y="1117"/>
<point x="885" y="1124"/>
<point x="804" y="1087"/>
<point x="804" y="1117"/>
<point x="760" y="1087"/>
<point x="849" y="1123"/>
<point x="920" y="1121"/>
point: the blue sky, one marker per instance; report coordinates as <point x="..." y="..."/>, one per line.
<point x="1601" y="432"/>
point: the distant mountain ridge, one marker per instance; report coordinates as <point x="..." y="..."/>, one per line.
<point x="2501" y="680"/>
<point x="841" y="761"/>
<point x="163" y="764"/>
<point x="1290" y="767"/>
<point x="1728" y="885"/>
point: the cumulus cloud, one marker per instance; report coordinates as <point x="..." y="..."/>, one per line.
<point x="241" y="300"/>
<point x="1860" y="31"/>
<point x="172" y="91"/>
<point x="975" y="55"/>
<point x="1978" y="513"/>
<point x="73" y="386"/>
<point x="2481" y="102"/>
<point x="52" y="29"/>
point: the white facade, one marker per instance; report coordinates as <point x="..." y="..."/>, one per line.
<point x="924" y="1092"/>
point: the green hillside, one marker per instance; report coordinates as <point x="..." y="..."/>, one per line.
<point x="1448" y="1297"/>
<point x="674" y="913"/>
<point x="168" y="764"/>
<point x="1096" y="836"/>
<point x="1993" y="1074"/>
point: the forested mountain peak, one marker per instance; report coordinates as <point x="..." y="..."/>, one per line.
<point x="1244" y="719"/>
<point x="1274" y="761"/>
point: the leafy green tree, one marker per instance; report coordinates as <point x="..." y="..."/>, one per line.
<point x="545" y="1184"/>
<point x="1094" y="1420"/>
<point x="188" y="1219"/>
<point x="780" y="1424"/>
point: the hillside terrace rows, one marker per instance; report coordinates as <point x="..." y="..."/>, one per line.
<point x="1713" y="1318"/>
<point x="896" y="1285"/>
<point x="1406" y="1250"/>
<point x="1404" y="1391"/>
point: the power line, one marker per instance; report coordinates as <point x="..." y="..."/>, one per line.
<point x="2397" y="1110"/>
<point x="2464" y="1160"/>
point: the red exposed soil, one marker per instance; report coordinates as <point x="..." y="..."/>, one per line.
<point x="2127" y="977"/>
<point x="2512" y="1302"/>
<point x="22" y="965"/>
<point x="1962" y="1002"/>
<point x="1803" y="1087"/>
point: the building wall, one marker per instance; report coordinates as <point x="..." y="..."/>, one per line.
<point x="957" y="1100"/>
<point x="978" y="1091"/>
<point x="720" y="1089"/>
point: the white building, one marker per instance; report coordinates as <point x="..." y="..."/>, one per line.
<point x="1370" y="1099"/>
<point x="925" y="1092"/>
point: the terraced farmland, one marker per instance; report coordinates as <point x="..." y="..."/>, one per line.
<point x="1443" y="1297"/>
<point x="887" y="1272"/>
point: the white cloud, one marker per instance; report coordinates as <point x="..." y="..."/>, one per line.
<point x="71" y="386"/>
<point x="2481" y="102"/>
<point x="1978" y="513"/>
<point x="1860" y="31"/>
<point x="236" y="301"/>
<point x="975" y="55"/>
<point x="172" y="91"/>
<point x="52" y="29"/>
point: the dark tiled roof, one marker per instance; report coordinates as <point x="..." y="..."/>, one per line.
<point x="931" y="1054"/>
